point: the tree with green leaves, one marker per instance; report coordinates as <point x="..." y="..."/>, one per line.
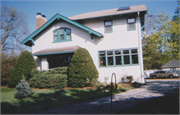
<point x="23" y="66"/>
<point x="81" y="70"/>
<point x="162" y="45"/>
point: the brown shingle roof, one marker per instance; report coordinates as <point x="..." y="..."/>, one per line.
<point x="50" y="51"/>
<point x="109" y="12"/>
<point x="172" y="64"/>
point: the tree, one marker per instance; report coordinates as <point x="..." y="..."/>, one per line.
<point x="14" y="26"/>
<point x="162" y="44"/>
<point x="23" y="66"/>
<point x="7" y="63"/>
<point x="23" y="90"/>
<point x="81" y="70"/>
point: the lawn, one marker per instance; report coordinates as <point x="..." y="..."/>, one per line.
<point x="46" y="99"/>
<point x="168" y="104"/>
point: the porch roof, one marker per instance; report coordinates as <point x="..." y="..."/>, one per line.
<point x="60" y="50"/>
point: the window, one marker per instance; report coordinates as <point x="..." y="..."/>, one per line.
<point x="119" y="57"/>
<point x="126" y="57"/>
<point x="62" y="34"/>
<point x="134" y="56"/>
<point x="102" y="59"/>
<point x="110" y="58"/>
<point x="131" y="23"/>
<point x="108" y="26"/>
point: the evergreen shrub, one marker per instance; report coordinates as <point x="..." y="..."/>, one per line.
<point x="81" y="70"/>
<point x="56" y="78"/>
<point x="23" y="90"/>
<point x="23" y="66"/>
<point x="56" y="81"/>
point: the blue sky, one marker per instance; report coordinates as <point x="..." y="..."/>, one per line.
<point x="73" y="7"/>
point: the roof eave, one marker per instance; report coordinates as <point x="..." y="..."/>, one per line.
<point x="58" y="16"/>
<point x="108" y="15"/>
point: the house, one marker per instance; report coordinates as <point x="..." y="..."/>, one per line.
<point x="112" y="37"/>
<point x="172" y="65"/>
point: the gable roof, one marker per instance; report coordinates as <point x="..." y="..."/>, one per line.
<point x="171" y="64"/>
<point x="110" y="12"/>
<point x="30" y="40"/>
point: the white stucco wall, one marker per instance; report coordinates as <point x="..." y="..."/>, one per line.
<point x="120" y="38"/>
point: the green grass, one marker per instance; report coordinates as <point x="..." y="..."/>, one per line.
<point x="46" y="99"/>
<point x="6" y="89"/>
<point x="168" y="104"/>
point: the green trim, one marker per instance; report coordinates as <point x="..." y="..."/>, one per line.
<point x="53" y="53"/>
<point x="59" y="35"/>
<point x="142" y="27"/>
<point x="65" y="19"/>
<point x="122" y="58"/>
<point x="131" y="23"/>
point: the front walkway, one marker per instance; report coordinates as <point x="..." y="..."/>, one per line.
<point x="155" y="88"/>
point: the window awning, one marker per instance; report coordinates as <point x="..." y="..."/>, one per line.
<point x="60" y="50"/>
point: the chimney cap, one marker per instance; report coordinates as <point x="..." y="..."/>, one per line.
<point x="43" y="16"/>
<point x="38" y="13"/>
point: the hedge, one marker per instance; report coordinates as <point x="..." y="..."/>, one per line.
<point x="56" y="81"/>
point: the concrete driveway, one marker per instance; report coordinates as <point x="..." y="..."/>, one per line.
<point x="154" y="88"/>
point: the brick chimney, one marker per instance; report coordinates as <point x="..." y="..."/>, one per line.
<point x="40" y="20"/>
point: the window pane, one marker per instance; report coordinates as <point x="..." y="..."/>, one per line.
<point x="110" y="61"/>
<point x="68" y="36"/>
<point x="62" y="37"/>
<point x="108" y="29"/>
<point x="56" y="32"/>
<point x="131" y="20"/>
<point x="61" y="31"/>
<point x="125" y="51"/>
<point x="118" y="60"/>
<point x="108" y="23"/>
<point x="55" y="38"/>
<point x="133" y="50"/>
<point x="134" y="59"/>
<point x="131" y="26"/>
<point x="102" y="61"/>
<point x="102" y="53"/>
<point x="126" y="59"/>
<point x="68" y="31"/>
<point x="109" y="53"/>
<point x="118" y="52"/>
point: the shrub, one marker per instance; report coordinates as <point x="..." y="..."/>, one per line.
<point x="81" y="70"/>
<point x="129" y="79"/>
<point x="48" y="81"/>
<point x="23" y="66"/>
<point x="23" y="90"/>
<point x="8" y="61"/>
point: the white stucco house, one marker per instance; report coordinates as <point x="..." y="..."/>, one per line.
<point x="112" y="37"/>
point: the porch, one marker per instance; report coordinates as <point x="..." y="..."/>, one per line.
<point x="54" y="57"/>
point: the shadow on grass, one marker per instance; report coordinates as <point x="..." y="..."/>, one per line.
<point x="44" y="101"/>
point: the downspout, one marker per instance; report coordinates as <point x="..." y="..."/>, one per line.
<point x="140" y="50"/>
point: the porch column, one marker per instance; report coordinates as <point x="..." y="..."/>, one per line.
<point x="44" y="63"/>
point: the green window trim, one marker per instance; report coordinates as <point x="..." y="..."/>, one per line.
<point x="128" y="29"/>
<point x="59" y="35"/>
<point x="111" y="25"/>
<point x="104" y="63"/>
